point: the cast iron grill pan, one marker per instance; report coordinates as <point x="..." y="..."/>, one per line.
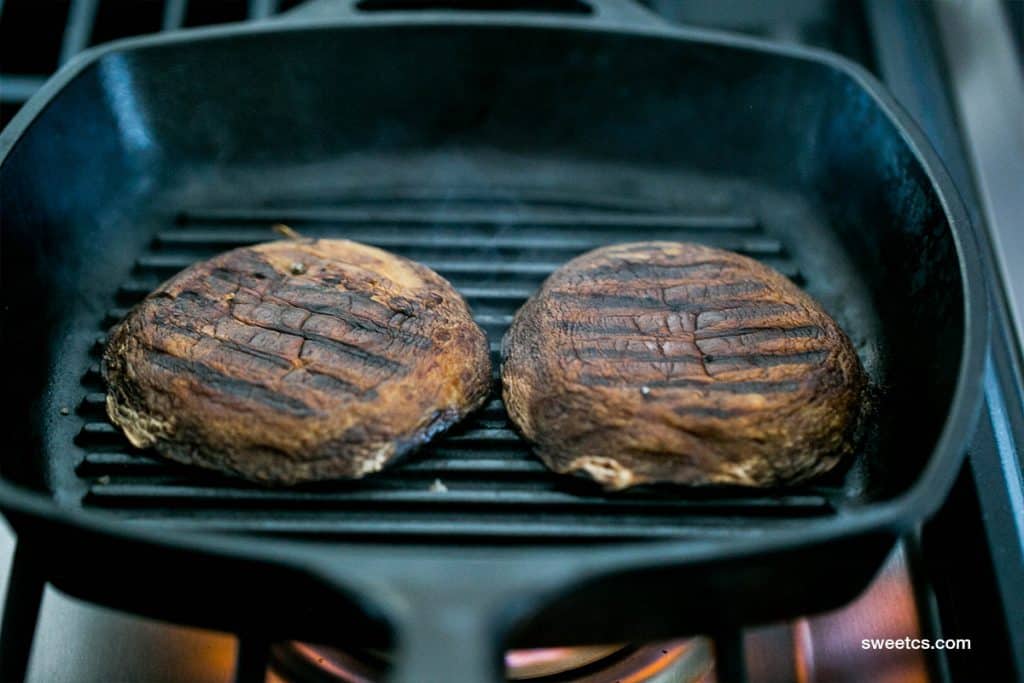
<point x="493" y="148"/>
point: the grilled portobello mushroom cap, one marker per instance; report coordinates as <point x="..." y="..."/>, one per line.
<point x="295" y="361"/>
<point x="673" y="362"/>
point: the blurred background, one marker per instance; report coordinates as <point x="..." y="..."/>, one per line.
<point x="37" y="36"/>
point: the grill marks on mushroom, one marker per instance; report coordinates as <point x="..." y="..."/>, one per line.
<point x="681" y="363"/>
<point x="296" y="361"/>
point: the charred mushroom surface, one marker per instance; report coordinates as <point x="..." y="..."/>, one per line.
<point x="673" y="362"/>
<point x="296" y="361"/>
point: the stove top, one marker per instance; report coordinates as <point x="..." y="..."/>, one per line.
<point x="961" y="578"/>
<point x="81" y="642"/>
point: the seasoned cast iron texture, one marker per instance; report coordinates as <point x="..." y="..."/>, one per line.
<point x="293" y="123"/>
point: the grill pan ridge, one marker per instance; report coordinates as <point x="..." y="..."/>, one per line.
<point x="479" y="480"/>
<point x="161" y="161"/>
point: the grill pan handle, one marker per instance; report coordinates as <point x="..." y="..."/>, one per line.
<point x="448" y="621"/>
<point x="452" y="636"/>
<point x="613" y="12"/>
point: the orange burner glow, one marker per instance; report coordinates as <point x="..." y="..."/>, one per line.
<point x="825" y="648"/>
<point x="680" y="661"/>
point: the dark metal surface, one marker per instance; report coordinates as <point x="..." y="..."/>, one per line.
<point x="169" y="144"/>
<point x="480" y="481"/>
<point x="21" y="611"/>
<point x="252" y="658"/>
<point x="37" y="36"/>
<point x="971" y="562"/>
<point x="988" y="88"/>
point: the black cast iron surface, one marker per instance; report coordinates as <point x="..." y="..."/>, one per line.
<point x="498" y="176"/>
<point x="480" y="480"/>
